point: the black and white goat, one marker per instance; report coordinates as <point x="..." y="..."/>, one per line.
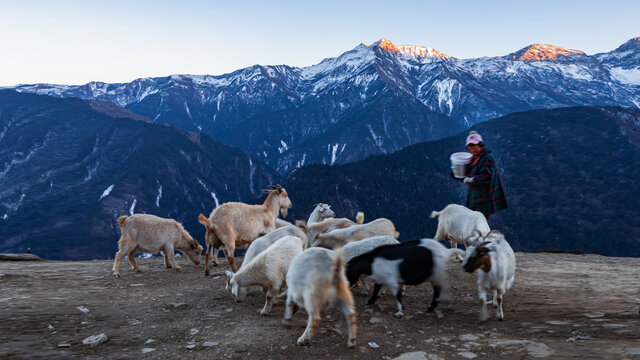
<point x="493" y="255"/>
<point x="409" y="263"/>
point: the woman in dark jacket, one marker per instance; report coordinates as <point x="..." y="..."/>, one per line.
<point x="485" y="186"/>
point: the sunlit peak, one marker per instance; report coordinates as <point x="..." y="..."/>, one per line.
<point x="542" y="52"/>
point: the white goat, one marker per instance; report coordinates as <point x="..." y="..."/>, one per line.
<point x="319" y="213"/>
<point x="267" y="270"/>
<point x="327" y="225"/>
<point x="341" y="237"/>
<point x="457" y="224"/>
<point x="316" y="278"/>
<point x="493" y="255"/>
<point x="281" y="223"/>
<point x="262" y="243"/>
<point x="357" y="248"/>
<point x="236" y="224"/>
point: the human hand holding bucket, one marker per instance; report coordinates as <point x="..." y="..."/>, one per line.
<point x="460" y="164"/>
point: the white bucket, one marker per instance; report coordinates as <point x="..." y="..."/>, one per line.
<point x="460" y="164"/>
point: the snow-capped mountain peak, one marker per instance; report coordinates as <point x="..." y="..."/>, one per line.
<point x="542" y="52"/>
<point x="423" y="51"/>
<point x="387" y="45"/>
<point x="411" y="50"/>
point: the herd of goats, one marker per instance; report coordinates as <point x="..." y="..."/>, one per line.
<point x="321" y="259"/>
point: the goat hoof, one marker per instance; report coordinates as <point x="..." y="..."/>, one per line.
<point x="178" y="269"/>
<point x="116" y="275"/>
<point x="351" y="343"/>
<point x="303" y="342"/>
<point x="500" y="319"/>
<point x="399" y="314"/>
<point x="138" y="270"/>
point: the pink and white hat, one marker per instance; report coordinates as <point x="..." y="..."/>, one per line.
<point x="473" y="138"/>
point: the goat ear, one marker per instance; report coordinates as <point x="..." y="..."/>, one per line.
<point x="229" y="274"/>
<point x="497" y="232"/>
<point x="266" y="191"/>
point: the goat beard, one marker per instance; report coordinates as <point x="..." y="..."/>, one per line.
<point x="284" y="212"/>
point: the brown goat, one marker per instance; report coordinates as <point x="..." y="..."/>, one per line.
<point x="149" y="233"/>
<point x="236" y="224"/>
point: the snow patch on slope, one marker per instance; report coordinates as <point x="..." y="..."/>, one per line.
<point x="626" y="76"/>
<point x="445" y="89"/>
<point x="377" y="139"/>
<point x="334" y="149"/>
<point x="284" y="147"/>
<point x="106" y="192"/>
<point x="159" y="196"/>
<point x="576" y="72"/>
<point x="133" y="206"/>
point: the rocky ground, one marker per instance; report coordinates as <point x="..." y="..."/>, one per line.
<point x="561" y="306"/>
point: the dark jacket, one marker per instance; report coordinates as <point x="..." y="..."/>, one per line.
<point x="485" y="192"/>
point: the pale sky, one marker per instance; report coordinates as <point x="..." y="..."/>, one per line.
<point x="74" y="42"/>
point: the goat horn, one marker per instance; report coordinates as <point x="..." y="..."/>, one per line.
<point x="271" y="187"/>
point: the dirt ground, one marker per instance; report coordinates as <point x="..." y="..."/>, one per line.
<point x="561" y="306"/>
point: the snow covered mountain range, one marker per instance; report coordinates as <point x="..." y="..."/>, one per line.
<point x="373" y="99"/>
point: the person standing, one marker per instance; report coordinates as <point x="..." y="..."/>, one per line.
<point x="486" y="193"/>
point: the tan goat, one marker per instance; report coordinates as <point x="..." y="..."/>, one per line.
<point x="340" y="237"/>
<point x="149" y="233"/>
<point x="327" y="225"/>
<point x="235" y="224"/>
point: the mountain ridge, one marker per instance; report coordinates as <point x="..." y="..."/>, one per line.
<point x="317" y="98"/>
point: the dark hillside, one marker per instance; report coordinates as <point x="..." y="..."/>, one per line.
<point x="571" y="176"/>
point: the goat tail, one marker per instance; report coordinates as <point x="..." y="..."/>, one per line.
<point x="396" y="234"/>
<point x="339" y="264"/>
<point x="435" y="214"/>
<point x="359" y="217"/>
<point x="121" y="220"/>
